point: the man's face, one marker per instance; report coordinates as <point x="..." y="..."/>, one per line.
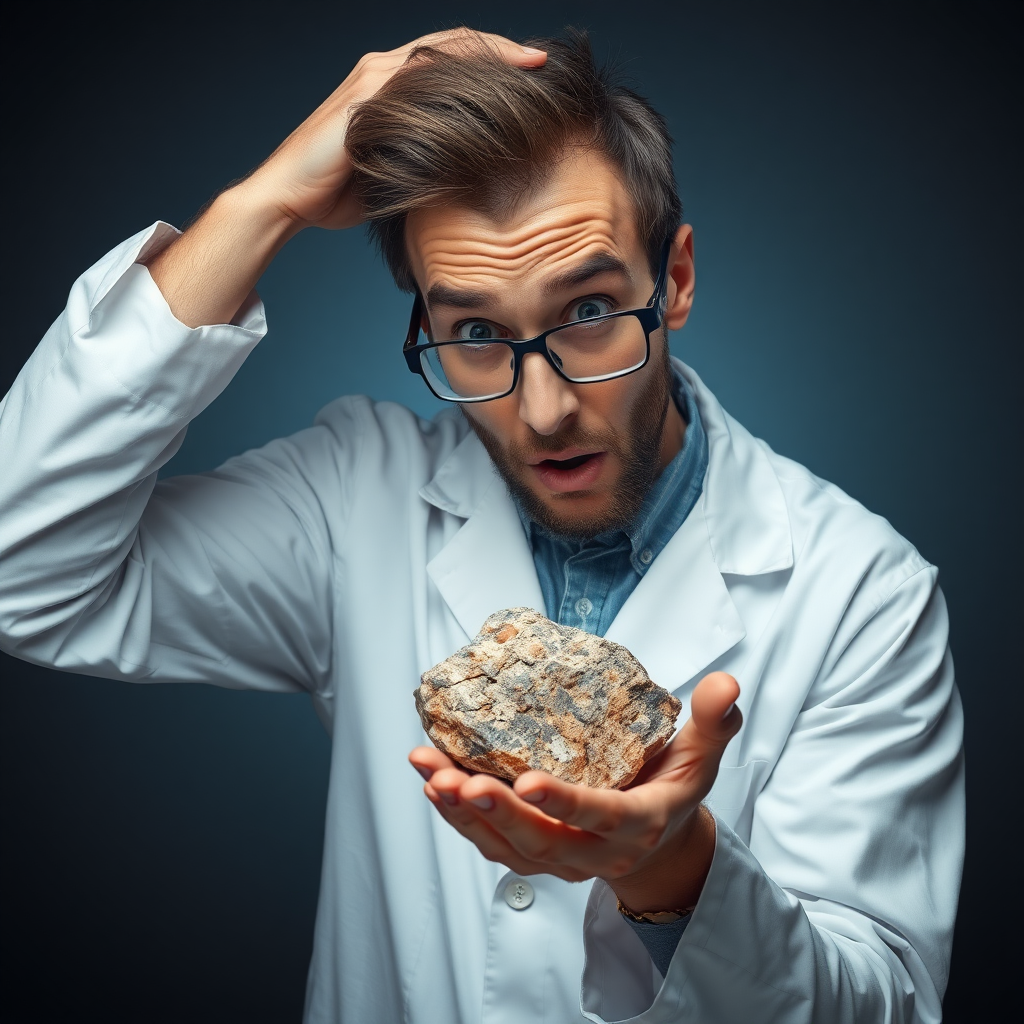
<point x="579" y="457"/>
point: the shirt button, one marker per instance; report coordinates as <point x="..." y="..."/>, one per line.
<point x="583" y="607"/>
<point x="518" y="894"/>
<point x="646" y="556"/>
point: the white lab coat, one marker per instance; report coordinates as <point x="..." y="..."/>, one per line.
<point x="347" y="559"/>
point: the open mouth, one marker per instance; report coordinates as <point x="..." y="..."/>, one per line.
<point x="577" y="473"/>
<point x="572" y="463"/>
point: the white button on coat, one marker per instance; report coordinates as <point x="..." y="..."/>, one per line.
<point x="518" y="893"/>
<point x="584" y="607"/>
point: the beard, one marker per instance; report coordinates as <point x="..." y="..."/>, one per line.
<point x="638" y="452"/>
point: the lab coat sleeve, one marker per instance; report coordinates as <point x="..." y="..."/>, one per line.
<point x="841" y="907"/>
<point x="221" y="578"/>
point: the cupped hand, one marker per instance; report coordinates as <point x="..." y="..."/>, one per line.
<point x="307" y="176"/>
<point x="652" y="842"/>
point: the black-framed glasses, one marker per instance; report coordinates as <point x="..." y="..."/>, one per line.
<point x="584" y="351"/>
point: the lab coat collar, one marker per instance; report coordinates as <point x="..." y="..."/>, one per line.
<point x="744" y="508"/>
<point x="488" y="564"/>
<point x="464" y="478"/>
<point x="680" y="617"/>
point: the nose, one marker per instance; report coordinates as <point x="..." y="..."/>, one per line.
<point x="546" y="401"/>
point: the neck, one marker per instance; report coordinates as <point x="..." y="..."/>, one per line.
<point x="673" y="432"/>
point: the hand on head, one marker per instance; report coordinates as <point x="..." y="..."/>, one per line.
<point x="206" y="274"/>
<point x="308" y="174"/>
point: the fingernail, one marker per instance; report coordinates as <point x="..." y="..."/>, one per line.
<point x="450" y="799"/>
<point x="728" y="711"/>
<point x="425" y="772"/>
<point x="530" y="49"/>
<point x="538" y="796"/>
<point x="485" y="803"/>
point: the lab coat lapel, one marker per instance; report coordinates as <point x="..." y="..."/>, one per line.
<point x="680" y="617"/>
<point x="487" y="565"/>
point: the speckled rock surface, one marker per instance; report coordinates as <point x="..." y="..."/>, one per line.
<point x="528" y="693"/>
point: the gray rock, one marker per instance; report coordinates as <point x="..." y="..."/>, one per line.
<point x="528" y="693"/>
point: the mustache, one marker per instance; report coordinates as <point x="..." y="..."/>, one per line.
<point x="572" y="437"/>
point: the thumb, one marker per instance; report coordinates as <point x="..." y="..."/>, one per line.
<point x="714" y="717"/>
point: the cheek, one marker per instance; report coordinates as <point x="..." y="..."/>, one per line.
<point x="497" y="418"/>
<point x="611" y="402"/>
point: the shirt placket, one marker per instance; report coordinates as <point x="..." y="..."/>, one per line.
<point x="578" y="609"/>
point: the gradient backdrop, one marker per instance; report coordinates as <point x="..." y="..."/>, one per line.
<point x="849" y="174"/>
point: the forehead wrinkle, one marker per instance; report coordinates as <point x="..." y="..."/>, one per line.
<point x="582" y="212"/>
<point x="463" y="262"/>
<point x="469" y="252"/>
<point x="530" y="239"/>
<point x="462" y="244"/>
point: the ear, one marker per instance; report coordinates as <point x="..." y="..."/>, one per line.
<point x="681" y="279"/>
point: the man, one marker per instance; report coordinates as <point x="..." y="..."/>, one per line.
<point x="793" y="855"/>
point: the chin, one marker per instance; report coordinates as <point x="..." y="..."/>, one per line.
<point x="578" y="514"/>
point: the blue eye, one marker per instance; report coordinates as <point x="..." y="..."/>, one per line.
<point x="477" y="330"/>
<point x="586" y="309"/>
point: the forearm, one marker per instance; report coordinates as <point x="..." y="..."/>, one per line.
<point x="206" y="274"/>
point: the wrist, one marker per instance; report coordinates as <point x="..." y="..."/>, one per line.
<point x="257" y="212"/>
<point x="673" y="878"/>
<point x="206" y="273"/>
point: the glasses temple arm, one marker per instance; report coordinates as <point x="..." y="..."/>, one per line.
<point x="415" y="322"/>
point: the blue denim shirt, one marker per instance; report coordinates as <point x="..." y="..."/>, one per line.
<point x="585" y="583"/>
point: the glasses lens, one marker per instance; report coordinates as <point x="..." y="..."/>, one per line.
<point x="467" y="371"/>
<point x="586" y="352"/>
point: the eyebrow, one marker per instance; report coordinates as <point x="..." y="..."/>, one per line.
<point x="599" y="263"/>
<point x="441" y="294"/>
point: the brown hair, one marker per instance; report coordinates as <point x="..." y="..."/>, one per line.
<point x="470" y="129"/>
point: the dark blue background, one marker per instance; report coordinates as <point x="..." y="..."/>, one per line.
<point x="853" y="178"/>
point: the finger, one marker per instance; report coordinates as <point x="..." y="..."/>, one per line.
<point x="447" y="782"/>
<point x="494" y="846"/>
<point x="609" y="813"/>
<point x="532" y="832"/>
<point x="465" y="39"/>
<point x="427" y="760"/>
<point x="516" y="53"/>
<point x="459" y="816"/>
<point x="714" y="717"/>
